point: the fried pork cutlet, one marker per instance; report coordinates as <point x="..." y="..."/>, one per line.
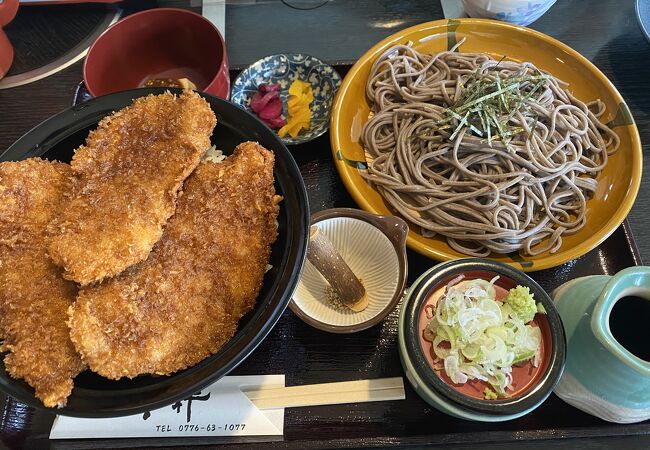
<point x="127" y="179"/>
<point x="183" y="303"/>
<point x="34" y="297"/>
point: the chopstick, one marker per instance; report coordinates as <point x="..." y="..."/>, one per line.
<point x="328" y="393"/>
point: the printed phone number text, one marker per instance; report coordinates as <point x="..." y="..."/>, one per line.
<point x="189" y="427"/>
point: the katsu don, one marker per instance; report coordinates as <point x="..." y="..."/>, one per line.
<point x="127" y="178"/>
<point x="34" y="297"/>
<point x="183" y="303"/>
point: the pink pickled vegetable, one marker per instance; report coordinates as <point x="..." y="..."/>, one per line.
<point x="266" y="103"/>
<point x="271" y="87"/>
<point x="272" y="109"/>
<point x="276" y="122"/>
<point x="259" y="101"/>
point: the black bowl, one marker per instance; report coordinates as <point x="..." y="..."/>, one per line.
<point x="440" y="276"/>
<point x="95" y="396"/>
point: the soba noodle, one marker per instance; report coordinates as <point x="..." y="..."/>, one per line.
<point x="509" y="176"/>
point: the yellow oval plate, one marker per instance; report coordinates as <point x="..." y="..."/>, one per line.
<point x="618" y="183"/>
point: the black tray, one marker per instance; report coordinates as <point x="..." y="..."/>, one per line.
<point x="306" y="355"/>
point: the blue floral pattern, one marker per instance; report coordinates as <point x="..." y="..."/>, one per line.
<point x="527" y="14"/>
<point x="284" y="69"/>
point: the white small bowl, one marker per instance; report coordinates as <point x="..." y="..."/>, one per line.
<point x="519" y="12"/>
<point x="375" y="249"/>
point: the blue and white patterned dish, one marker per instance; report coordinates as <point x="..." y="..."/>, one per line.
<point x="643" y="14"/>
<point x="284" y="69"/>
<point x="519" y="12"/>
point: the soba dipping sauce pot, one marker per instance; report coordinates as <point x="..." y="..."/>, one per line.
<point x="607" y="371"/>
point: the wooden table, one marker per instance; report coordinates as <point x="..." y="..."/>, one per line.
<point x="605" y="31"/>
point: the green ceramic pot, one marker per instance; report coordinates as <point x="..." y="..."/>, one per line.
<point x="601" y="376"/>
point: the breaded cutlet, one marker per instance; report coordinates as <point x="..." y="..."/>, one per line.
<point x="34" y="297"/>
<point x="127" y="177"/>
<point x="183" y="303"/>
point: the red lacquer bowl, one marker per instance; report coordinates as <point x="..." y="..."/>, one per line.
<point x="158" y="43"/>
<point x="8" y="10"/>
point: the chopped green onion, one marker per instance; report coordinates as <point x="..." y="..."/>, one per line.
<point x="478" y="337"/>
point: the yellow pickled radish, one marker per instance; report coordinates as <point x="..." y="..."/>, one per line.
<point x="298" y="108"/>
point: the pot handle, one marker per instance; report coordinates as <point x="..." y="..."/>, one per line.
<point x="395" y="229"/>
<point x="8" y="10"/>
<point x="630" y="281"/>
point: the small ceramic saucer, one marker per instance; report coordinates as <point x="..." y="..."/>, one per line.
<point x="284" y="69"/>
<point x="374" y="248"/>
